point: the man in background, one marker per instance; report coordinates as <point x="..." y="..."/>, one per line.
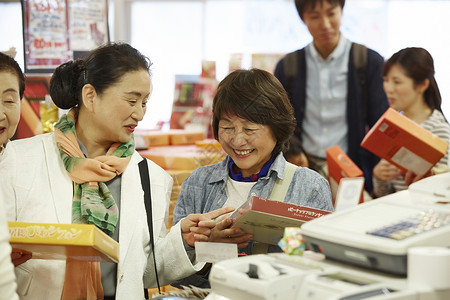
<point x="335" y="86"/>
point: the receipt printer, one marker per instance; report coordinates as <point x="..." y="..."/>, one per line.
<point x="280" y="276"/>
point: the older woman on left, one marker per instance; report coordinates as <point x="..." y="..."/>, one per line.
<point x="12" y="86"/>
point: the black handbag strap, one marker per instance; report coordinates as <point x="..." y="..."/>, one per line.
<point x="145" y="181"/>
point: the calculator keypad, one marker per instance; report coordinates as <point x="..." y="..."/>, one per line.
<point x="422" y="222"/>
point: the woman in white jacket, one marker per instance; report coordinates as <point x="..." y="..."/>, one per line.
<point x="87" y="172"/>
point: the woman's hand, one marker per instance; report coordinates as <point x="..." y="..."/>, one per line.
<point x="197" y="227"/>
<point x="223" y="233"/>
<point x="386" y="171"/>
<point x="411" y="177"/>
<point x="18" y="257"/>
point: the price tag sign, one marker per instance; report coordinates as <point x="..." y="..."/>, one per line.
<point x="349" y="192"/>
<point x="215" y="252"/>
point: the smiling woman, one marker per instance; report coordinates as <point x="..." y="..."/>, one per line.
<point x="12" y="86"/>
<point x="253" y="121"/>
<point x="242" y="139"/>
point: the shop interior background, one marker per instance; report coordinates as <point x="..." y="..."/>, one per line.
<point x="178" y="34"/>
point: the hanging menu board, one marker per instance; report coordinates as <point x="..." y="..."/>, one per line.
<point x="54" y="29"/>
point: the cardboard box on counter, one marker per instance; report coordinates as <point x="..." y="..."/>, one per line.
<point x="404" y="143"/>
<point x="59" y="241"/>
<point x="153" y="138"/>
<point x="208" y="144"/>
<point x="178" y="176"/>
<point x="340" y="166"/>
<point x="266" y="219"/>
<point x="183" y="157"/>
<point x="185" y="137"/>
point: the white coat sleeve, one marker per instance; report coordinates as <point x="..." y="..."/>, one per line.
<point x="7" y="276"/>
<point x="172" y="261"/>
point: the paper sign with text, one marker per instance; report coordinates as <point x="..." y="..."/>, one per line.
<point x="349" y="192"/>
<point x="215" y="252"/>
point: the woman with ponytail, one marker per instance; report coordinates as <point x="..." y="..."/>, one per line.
<point x="409" y="83"/>
<point x="87" y="172"/>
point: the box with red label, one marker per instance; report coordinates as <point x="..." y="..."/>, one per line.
<point x="266" y="219"/>
<point x="340" y="166"/>
<point x="404" y="143"/>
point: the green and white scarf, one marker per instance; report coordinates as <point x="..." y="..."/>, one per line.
<point x="92" y="201"/>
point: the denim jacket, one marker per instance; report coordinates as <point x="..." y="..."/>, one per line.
<point x="204" y="190"/>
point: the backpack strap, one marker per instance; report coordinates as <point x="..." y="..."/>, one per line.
<point x="360" y="63"/>
<point x="278" y="194"/>
<point x="290" y="64"/>
<point x="281" y="187"/>
<point x="145" y="181"/>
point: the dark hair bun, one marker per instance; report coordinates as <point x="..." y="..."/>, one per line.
<point x="65" y="84"/>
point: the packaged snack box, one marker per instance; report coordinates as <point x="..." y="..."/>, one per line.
<point x="404" y="143"/>
<point x="266" y="219"/>
<point x="60" y="241"/>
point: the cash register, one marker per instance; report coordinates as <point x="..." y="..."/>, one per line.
<point x="377" y="234"/>
<point x="365" y="250"/>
